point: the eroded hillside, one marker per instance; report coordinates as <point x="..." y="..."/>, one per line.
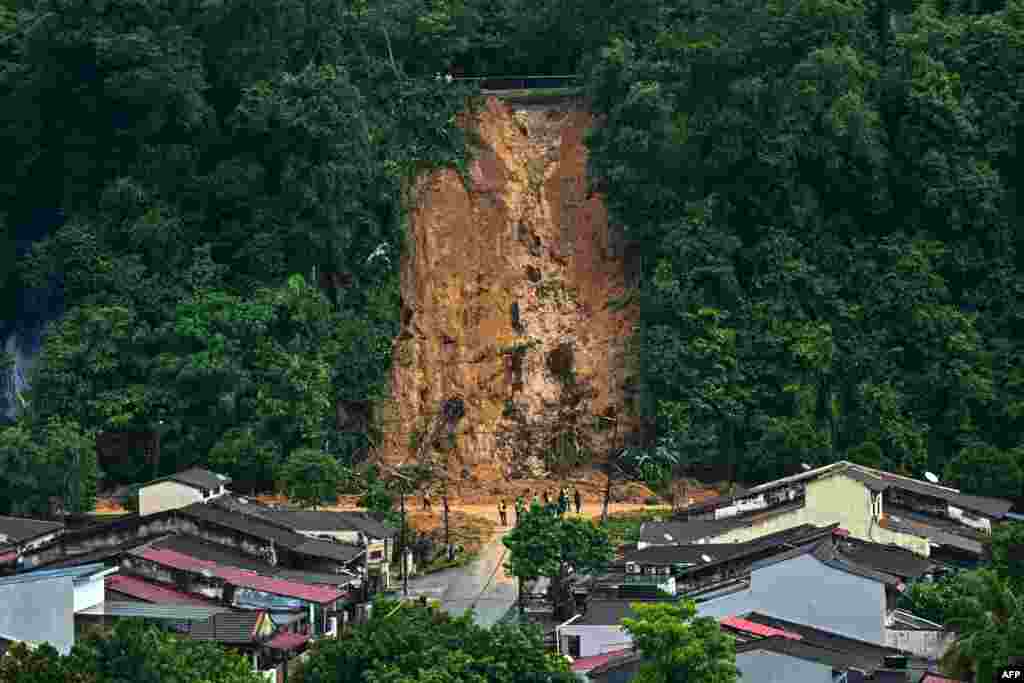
<point x="507" y="289"/>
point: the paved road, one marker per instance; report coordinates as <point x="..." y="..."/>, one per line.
<point x="481" y="585"/>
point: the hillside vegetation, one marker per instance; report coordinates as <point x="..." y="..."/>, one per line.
<point x="824" y="192"/>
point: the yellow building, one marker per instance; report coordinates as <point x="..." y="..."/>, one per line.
<point x="872" y="505"/>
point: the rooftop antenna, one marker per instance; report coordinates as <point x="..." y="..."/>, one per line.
<point x="931" y="477"/>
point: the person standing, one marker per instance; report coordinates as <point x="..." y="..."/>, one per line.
<point x="563" y="501"/>
<point x="503" y="513"/>
<point x="519" y="508"/>
<point x="426" y="502"/>
<point x="547" y="498"/>
<point x="578" y="499"/>
<point x="536" y="500"/>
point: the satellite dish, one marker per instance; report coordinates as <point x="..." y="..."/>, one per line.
<point x="668" y="537"/>
<point x="706" y="558"/>
<point x="931" y="477"/>
<point x="805" y="466"/>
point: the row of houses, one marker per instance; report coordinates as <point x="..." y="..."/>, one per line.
<point x="806" y="572"/>
<point x="198" y="559"/>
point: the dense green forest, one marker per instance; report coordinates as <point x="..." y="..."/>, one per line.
<point x="824" y="192"/>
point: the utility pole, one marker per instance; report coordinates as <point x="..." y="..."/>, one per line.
<point x="405" y="572"/>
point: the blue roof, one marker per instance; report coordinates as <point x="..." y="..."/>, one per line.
<point x="79" y="572"/>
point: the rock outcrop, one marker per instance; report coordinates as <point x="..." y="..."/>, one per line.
<point x="510" y="291"/>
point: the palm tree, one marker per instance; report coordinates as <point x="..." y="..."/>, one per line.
<point x="989" y="621"/>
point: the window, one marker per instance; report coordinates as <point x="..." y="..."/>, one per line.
<point x="376" y="554"/>
<point x="572" y="646"/>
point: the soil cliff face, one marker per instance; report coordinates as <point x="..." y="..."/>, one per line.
<point x="508" y="287"/>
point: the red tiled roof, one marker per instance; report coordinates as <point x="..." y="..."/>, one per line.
<point x="936" y="678"/>
<point x="758" y="629"/>
<point x="241" y="577"/>
<point x="287" y="641"/>
<point x="150" y="592"/>
<point x="585" y="664"/>
<point x="9" y="556"/>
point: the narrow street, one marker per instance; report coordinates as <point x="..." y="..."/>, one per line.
<point x="483" y="585"/>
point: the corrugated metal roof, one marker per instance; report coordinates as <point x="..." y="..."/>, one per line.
<point x="237" y="627"/>
<point x="585" y="664"/>
<point x="20" y="529"/>
<point x="146" y="610"/>
<point x="76" y="573"/>
<point x="195" y="476"/>
<point x="287" y="641"/>
<point x="758" y="629"/>
<point x="240" y="577"/>
<point x="150" y="592"/>
<point x="936" y="678"/>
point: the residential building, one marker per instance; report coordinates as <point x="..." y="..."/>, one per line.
<point x="929" y="519"/>
<point x="174" y="491"/>
<point x="40" y="606"/>
<point x="376" y="538"/>
<point x="21" y="534"/>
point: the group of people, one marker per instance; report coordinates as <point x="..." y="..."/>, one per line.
<point x="561" y="504"/>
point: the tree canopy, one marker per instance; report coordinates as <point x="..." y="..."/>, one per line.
<point x="413" y="643"/>
<point x="677" y="645"/>
<point x="132" y="652"/>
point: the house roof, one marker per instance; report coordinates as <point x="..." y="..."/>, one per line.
<point x="21" y="529"/>
<point x="938" y="678"/>
<point x="826" y="553"/>
<point x="614" y="663"/>
<point x="870" y="655"/>
<point x="754" y="628"/>
<point x="75" y="573"/>
<point x="222" y="555"/>
<point x="146" y="591"/>
<point x="240" y="577"/>
<point x="940" y="531"/>
<point x="611" y="612"/>
<point x="195" y="477"/>
<point x="878" y="480"/>
<point x="806" y="651"/>
<point x="258" y="528"/>
<point x="287" y="641"/>
<point x="271" y="530"/>
<point x="683" y="532"/>
<point x="890" y="559"/>
<point x="339" y="552"/>
<point x="144" y="610"/>
<point x="236" y="627"/>
<point x="721" y="552"/>
<point x="585" y="664"/>
<point x="298" y="519"/>
<point x="905" y="621"/>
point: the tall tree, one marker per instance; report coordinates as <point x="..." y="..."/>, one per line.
<point x="555" y="546"/>
<point x="677" y="645"/>
<point x="311" y="478"/>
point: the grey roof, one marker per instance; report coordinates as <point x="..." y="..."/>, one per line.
<point x="21" y="529"/>
<point x="878" y="480"/>
<point x="246" y="524"/>
<point x="680" y="533"/>
<point x="317" y="578"/>
<point x="196" y="477"/>
<point x="836" y="659"/>
<point x="260" y="527"/>
<point x="721" y="552"/>
<point x="611" y="612"/>
<point x="298" y="519"/>
<point x="864" y="655"/>
<point x="230" y="627"/>
<point x="934" y="530"/>
<point x="825" y="553"/>
<point x="213" y="552"/>
<point x="145" y="610"/>
<point x="339" y="552"/>
<point x="76" y="573"/>
<point x="890" y="559"/>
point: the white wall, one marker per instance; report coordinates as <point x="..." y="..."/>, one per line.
<point x="804" y="590"/>
<point x="88" y="593"/>
<point x="166" y="495"/>
<point x="39" y="611"/>
<point x="770" y="667"/>
<point x="595" y="640"/>
<point x="930" y="644"/>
